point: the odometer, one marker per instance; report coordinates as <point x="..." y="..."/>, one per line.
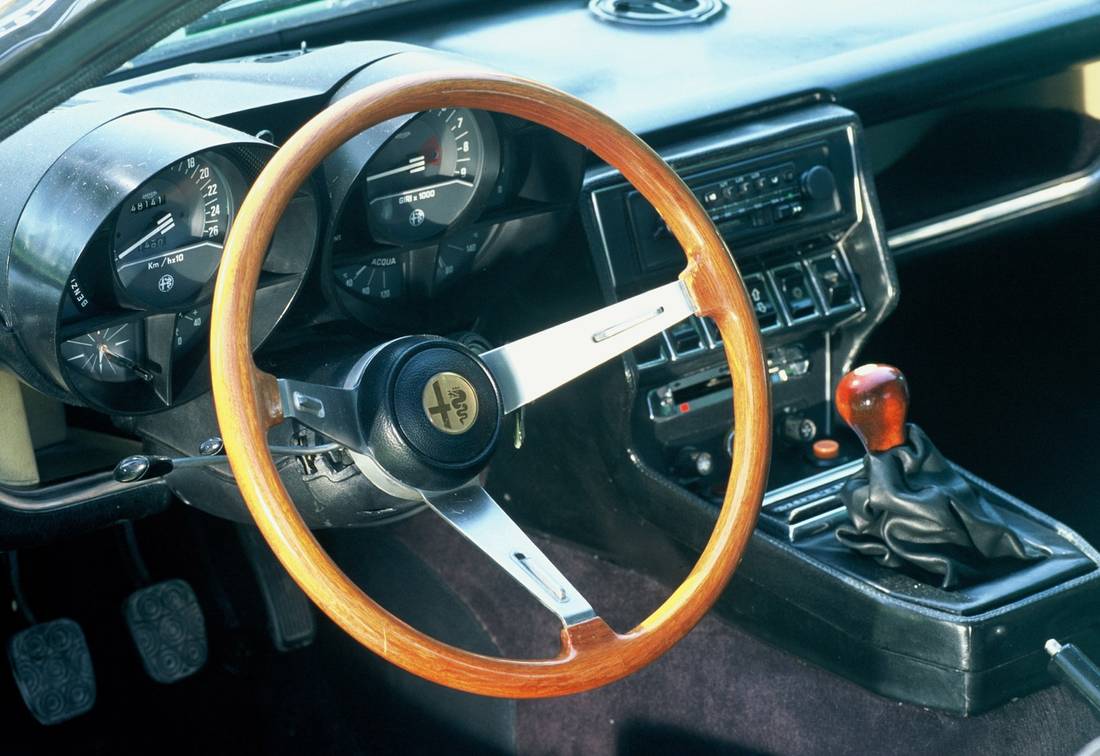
<point x="426" y="175"/>
<point x="167" y="240"/>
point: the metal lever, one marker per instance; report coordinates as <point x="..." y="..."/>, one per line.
<point x="140" y="467"/>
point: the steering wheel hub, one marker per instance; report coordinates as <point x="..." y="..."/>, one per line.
<point x="429" y="412"/>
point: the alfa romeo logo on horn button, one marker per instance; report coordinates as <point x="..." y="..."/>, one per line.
<point x="450" y="403"/>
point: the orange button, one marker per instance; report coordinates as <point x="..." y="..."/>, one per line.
<point x="826" y="448"/>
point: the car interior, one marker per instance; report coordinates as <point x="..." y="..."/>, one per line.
<point x="549" y="377"/>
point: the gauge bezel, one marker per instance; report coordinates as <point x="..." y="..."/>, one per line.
<point x="235" y="187"/>
<point x="483" y="181"/>
<point x="419" y="257"/>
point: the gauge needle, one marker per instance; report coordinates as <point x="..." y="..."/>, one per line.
<point x="164" y="225"/>
<point x="124" y="362"/>
<point x="168" y="252"/>
<point x="425" y="187"/>
<point x="416" y="165"/>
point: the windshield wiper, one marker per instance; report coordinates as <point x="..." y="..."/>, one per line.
<point x="236" y="11"/>
<point x="240" y="10"/>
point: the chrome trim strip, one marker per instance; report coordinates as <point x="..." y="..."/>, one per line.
<point x="1044" y="197"/>
<point x="814" y="481"/>
<point x="817" y="524"/>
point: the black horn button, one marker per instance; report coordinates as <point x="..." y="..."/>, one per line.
<point x="446" y="405"/>
<point x="430" y="412"/>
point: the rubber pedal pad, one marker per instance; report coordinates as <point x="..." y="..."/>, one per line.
<point x="167" y="626"/>
<point x="53" y="670"/>
<point x="290" y="622"/>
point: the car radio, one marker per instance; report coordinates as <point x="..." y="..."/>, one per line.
<point x="807" y="186"/>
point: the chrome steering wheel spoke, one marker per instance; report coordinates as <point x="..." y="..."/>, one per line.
<point x="474" y="513"/>
<point x="534" y="366"/>
<point x="332" y="412"/>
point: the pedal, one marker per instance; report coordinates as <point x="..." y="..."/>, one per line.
<point x="290" y="622"/>
<point x="53" y="670"/>
<point x="167" y="626"/>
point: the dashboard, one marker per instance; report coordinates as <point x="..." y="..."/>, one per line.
<point x="827" y="142"/>
<point x="484" y="227"/>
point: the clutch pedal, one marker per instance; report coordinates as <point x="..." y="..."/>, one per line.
<point x="167" y="626"/>
<point x="53" y="670"/>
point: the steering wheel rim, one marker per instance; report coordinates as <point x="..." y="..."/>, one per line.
<point x="248" y="403"/>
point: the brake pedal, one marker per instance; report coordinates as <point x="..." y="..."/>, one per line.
<point x="53" y="670"/>
<point x="290" y="622"/>
<point x="167" y="626"/>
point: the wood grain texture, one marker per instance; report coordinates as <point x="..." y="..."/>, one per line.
<point x="874" y="400"/>
<point x="592" y="654"/>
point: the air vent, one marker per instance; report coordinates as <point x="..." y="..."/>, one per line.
<point x="656" y="12"/>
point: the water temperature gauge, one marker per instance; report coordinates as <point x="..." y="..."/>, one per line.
<point x="380" y="277"/>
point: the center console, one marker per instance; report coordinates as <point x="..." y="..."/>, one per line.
<point x="789" y="196"/>
<point x="790" y="193"/>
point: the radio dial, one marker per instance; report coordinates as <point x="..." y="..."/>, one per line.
<point x="818" y="183"/>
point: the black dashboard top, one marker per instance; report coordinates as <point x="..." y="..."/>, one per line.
<point x="880" y="59"/>
<point x="876" y="57"/>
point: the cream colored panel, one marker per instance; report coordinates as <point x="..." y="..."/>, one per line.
<point x="17" y="464"/>
<point x="45" y="417"/>
<point x="1090" y="81"/>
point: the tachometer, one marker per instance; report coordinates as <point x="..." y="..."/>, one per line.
<point x="168" y="237"/>
<point x="427" y="175"/>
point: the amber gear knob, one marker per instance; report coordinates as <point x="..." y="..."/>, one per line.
<point x="874" y="400"/>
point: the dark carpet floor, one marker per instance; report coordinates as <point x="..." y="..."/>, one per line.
<point x="720" y="690"/>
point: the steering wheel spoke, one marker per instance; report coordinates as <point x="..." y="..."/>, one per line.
<point x="536" y="365"/>
<point x="476" y="515"/>
<point x="332" y="412"/>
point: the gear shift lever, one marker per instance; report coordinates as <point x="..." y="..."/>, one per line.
<point x="874" y="401"/>
<point x="910" y="507"/>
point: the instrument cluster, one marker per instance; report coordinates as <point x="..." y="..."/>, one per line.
<point x="115" y="255"/>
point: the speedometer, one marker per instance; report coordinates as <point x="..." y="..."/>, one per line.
<point x="428" y="174"/>
<point x="168" y="237"/>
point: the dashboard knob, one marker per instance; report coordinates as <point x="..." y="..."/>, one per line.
<point x="799" y="428"/>
<point x="818" y="182"/>
<point x="692" y="462"/>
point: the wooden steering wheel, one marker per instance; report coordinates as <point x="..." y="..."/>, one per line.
<point x="384" y="415"/>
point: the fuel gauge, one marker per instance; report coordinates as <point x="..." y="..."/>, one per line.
<point x="380" y="277"/>
<point x="456" y="254"/>
<point x="190" y="327"/>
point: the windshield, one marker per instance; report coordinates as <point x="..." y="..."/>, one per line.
<point x="24" y="21"/>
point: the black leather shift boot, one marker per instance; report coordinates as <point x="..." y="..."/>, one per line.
<point x="910" y="507"/>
